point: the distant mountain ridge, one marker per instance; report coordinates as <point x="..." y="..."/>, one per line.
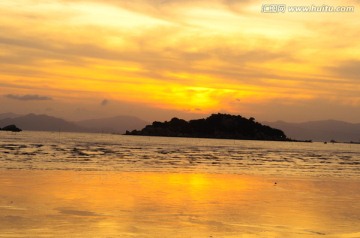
<point x="34" y="122"/>
<point x="118" y="124"/>
<point x="325" y="130"/>
<point x="9" y="115"/>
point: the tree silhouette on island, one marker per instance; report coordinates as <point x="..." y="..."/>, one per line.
<point x="219" y="126"/>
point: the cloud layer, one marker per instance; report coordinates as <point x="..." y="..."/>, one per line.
<point x="29" y="97"/>
<point x="199" y="56"/>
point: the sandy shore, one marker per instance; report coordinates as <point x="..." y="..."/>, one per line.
<point x="117" y="204"/>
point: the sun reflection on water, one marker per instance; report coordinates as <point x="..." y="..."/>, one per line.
<point x="98" y="204"/>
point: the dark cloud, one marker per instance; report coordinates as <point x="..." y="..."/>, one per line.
<point x="104" y="102"/>
<point x="28" y="97"/>
<point x="348" y="69"/>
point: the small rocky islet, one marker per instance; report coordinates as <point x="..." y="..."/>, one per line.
<point x="12" y="128"/>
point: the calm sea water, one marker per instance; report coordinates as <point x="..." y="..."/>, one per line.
<point x="103" y="152"/>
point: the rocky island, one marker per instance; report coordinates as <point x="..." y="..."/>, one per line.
<point x="12" y="128"/>
<point x="219" y="126"/>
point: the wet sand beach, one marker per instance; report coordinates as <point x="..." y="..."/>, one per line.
<point x="158" y="204"/>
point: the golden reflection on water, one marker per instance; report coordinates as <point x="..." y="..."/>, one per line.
<point x="114" y="204"/>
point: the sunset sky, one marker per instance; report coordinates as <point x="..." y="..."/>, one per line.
<point x="156" y="59"/>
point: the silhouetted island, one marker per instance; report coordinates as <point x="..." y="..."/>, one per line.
<point x="12" y="128"/>
<point x="220" y="126"/>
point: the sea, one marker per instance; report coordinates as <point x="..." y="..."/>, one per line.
<point x="30" y="150"/>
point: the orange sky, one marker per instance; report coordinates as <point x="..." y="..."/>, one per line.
<point x="157" y="59"/>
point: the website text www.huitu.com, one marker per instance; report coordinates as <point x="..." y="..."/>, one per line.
<point x="282" y="8"/>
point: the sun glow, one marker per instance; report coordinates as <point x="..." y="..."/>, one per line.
<point x="180" y="56"/>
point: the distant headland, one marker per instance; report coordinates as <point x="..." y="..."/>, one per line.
<point x="219" y="126"/>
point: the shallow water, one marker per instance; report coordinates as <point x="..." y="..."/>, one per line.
<point x="103" y="152"/>
<point x="93" y="185"/>
<point x="155" y="204"/>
